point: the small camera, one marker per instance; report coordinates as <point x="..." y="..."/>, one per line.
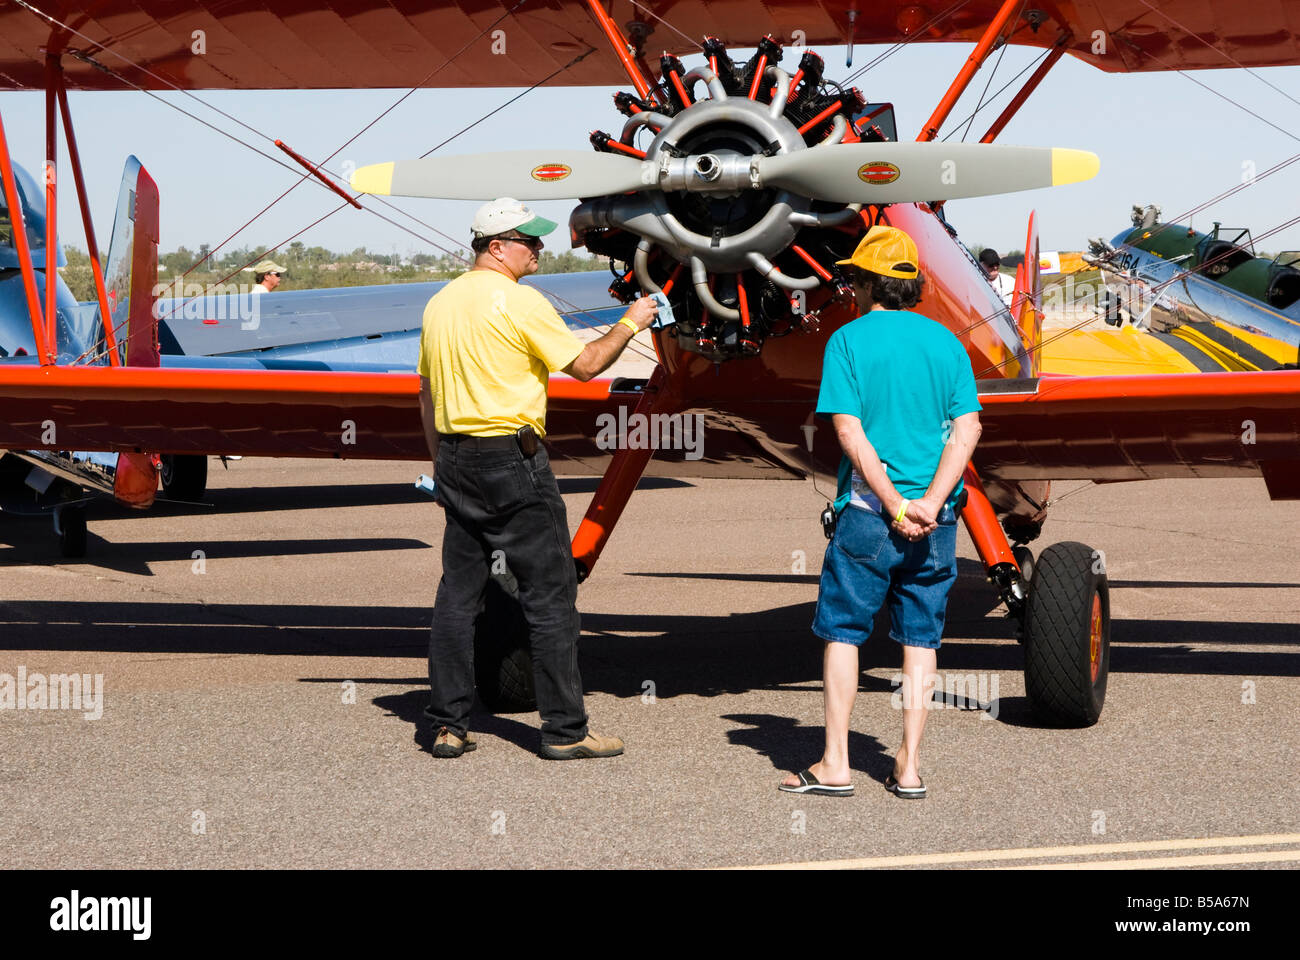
<point x="828" y="521"/>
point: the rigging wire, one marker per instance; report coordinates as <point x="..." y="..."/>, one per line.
<point x="498" y="109"/>
<point x="1219" y="50"/>
<point x="1221" y="96"/>
<point x="1006" y="42"/>
<point x="1033" y="63"/>
<point x="86" y="58"/>
<point x="580" y="314"/>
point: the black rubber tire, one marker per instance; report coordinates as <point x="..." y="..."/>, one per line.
<point x="1058" y="621"/>
<point x="503" y="662"/>
<point x="72" y="535"/>
<point x="184" y="476"/>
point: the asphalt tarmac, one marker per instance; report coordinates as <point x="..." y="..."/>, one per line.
<point x="263" y="679"/>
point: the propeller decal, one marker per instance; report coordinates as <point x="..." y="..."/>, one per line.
<point x="879" y="172"/>
<point x="550" y="172"/>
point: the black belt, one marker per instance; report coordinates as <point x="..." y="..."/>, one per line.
<point x="506" y="442"/>
<point x="524" y="440"/>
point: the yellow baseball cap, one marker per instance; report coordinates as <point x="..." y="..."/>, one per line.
<point x="887" y="251"/>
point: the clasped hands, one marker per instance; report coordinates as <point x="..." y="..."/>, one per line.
<point x="919" y="521"/>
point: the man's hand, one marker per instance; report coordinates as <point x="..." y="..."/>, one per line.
<point x="643" y="312"/>
<point x="924" y="513"/>
<point x="599" y="354"/>
<point x="910" y="529"/>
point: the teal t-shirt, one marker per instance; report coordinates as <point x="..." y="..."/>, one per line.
<point x="907" y="378"/>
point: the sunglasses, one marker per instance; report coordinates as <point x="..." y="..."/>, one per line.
<point x="532" y="243"/>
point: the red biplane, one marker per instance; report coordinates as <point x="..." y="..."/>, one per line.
<point x="750" y="182"/>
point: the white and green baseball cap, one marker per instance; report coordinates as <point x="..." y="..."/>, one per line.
<point x="506" y="213"/>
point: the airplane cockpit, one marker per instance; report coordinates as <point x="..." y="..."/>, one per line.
<point x="1229" y="257"/>
<point x="1218" y="255"/>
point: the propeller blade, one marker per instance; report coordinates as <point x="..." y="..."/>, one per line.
<point x="522" y="174"/>
<point x="912" y="172"/>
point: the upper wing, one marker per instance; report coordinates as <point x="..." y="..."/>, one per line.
<point x="197" y="44"/>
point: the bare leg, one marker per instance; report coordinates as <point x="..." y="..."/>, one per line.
<point x="840" y="687"/>
<point x="918" y="663"/>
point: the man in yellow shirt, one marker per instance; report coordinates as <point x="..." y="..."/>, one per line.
<point x="487" y="349"/>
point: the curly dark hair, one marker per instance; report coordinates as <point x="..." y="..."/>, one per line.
<point x="892" y="293"/>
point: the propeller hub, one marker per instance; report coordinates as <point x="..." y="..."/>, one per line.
<point x="707" y="167"/>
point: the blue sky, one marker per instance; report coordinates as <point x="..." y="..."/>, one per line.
<point x="1162" y="139"/>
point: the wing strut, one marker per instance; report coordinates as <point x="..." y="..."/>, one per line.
<point x="622" y="50"/>
<point x="968" y="70"/>
<point x="51" y="195"/>
<point x="74" y="158"/>
<point x="18" y="229"/>
<point x="1058" y="51"/>
<point x="662" y="394"/>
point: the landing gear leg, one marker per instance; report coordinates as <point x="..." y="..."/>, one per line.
<point x="991" y="542"/>
<point x="662" y="395"/>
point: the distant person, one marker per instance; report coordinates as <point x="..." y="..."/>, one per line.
<point x="487" y="349"/>
<point x="1004" y="285"/>
<point x="899" y="388"/>
<point x="266" y="276"/>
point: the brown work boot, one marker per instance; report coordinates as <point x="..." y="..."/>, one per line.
<point x="592" y="745"/>
<point x="447" y="744"/>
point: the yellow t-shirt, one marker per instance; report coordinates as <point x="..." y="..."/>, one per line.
<point x="488" y="347"/>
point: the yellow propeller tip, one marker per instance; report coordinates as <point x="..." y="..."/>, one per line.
<point x="376" y="178"/>
<point x="1072" y="166"/>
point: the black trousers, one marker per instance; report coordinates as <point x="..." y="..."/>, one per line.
<point x="503" y="508"/>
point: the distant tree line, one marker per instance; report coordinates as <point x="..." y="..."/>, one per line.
<point x="310" y="267"/>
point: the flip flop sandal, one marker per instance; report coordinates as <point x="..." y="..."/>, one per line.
<point x="810" y="784"/>
<point x="907" y="793"/>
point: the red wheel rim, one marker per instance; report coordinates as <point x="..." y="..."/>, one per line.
<point x="1094" y="638"/>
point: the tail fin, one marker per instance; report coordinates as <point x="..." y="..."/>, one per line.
<point x="1026" y="302"/>
<point x="132" y="272"/>
<point x="132" y="281"/>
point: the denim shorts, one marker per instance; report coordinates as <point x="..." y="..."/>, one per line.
<point x="868" y="563"/>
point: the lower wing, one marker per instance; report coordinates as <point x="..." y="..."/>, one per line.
<point x="1055" y="427"/>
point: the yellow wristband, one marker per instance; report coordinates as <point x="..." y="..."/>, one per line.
<point x="629" y="324"/>
<point x="902" y="511"/>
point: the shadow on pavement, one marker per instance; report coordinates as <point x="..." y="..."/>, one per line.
<point x="792" y="747"/>
<point x="409" y="706"/>
<point x="134" y="558"/>
<point x="682" y="653"/>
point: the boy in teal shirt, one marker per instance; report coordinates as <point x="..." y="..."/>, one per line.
<point x="900" y="391"/>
